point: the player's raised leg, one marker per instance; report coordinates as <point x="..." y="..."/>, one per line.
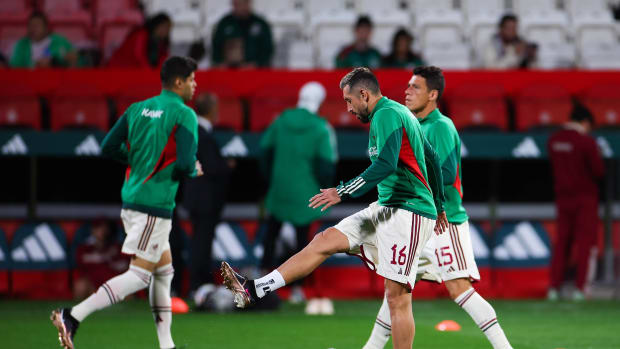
<point x="301" y="264"/>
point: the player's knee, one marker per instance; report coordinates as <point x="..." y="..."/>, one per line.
<point x="329" y="242"/>
<point x="457" y="287"/>
<point x="397" y="297"/>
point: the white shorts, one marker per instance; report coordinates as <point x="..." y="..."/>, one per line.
<point x="388" y="239"/>
<point x="449" y="256"/>
<point x="147" y="236"/>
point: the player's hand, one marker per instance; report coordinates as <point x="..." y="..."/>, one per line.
<point x="326" y="198"/>
<point x="442" y="223"/>
<point x="198" y="169"/>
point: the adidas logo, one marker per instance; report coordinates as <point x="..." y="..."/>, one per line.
<point x="2" y="257"/>
<point x="526" y="149"/>
<point x="235" y="147"/>
<point x="464" y="151"/>
<point x="522" y="244"/>
<point x="89" y="146"/>
<point x="481" y="251"/>
<point x="42" y="246"/>
<point x="15" y="145"/>
<point x="226" y="245"/>
<point x="604" y="147"/>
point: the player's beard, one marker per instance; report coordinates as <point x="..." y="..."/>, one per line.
<point x="364" y="116"/>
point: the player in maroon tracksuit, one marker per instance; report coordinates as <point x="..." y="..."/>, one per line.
<point x="577" y="167"/>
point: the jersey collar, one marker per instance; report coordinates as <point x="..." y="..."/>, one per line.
<point x="378" y="106"/>
<point x="434" y="115"/>
<point x="171" y="95"/>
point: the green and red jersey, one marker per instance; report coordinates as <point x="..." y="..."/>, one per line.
<point x="441" y="133"/>
<point x="157" y="138"/>
<point x="402" y="161"/>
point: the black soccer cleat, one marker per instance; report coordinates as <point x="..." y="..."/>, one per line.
<point x="67" y="326"/>
<point x="237" y="285"/>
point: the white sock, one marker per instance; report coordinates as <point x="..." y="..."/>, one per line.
<point x="484" y="315"/>
<point x="159" y="298"/>
<point x="113" y="291"/>
<point x="382" y="330"/>
<point x="268" y="283"/>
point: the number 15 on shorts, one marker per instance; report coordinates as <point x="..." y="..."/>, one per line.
<point x="444" y="257"/>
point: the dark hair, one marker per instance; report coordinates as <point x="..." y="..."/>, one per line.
<point x="400" y="33"/>
<point x="363" y="20"/>
<point x="580" y="113"/>
<point x="434" y="78"/>
<point x="153" y="22"/>
<point x="204" y="104"/>
<point x="40" y="15"/>
<point x="176" y="67"/>
<point x="362" y="77"/>
<point x="507" y="17"/>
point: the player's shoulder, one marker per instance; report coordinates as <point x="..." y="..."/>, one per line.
<point x="444" y="123"/>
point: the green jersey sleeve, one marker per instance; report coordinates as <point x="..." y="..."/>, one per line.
<point x="440" y="136"/>
<point x="435" y="176"/>
<point x="387" y="128"/>
<point x="114" y="144"/>
<point x="186" y="137"/>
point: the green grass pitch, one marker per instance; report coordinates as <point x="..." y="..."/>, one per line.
<point x="528" y="325"/>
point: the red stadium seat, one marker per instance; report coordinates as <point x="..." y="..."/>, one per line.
<point x="112" y="35"/>
<point x="477" y="105"/>
<point x="230" y="107"/>
<point x="77" y="32"/>
<point x="19" y="107"/>
<point x="604" y="102"/>
<point x="268" y="103"/>
<point x="10" y="33"/>
<point x="66" y="10"/>
<point x="14" y="10"/>
<point x="542" y="105"/>
<point x="335" y="111"/>
<point x="133" y="94"/>
<point x="79" y="106"/>
<point x="116" y="10"/>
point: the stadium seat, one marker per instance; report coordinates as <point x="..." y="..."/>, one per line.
<point x="39" y="262"/>
<point x="76" y="32"/>
<point x="14" y="11"/>
<point x="331" y="32"/>
<point x="230" y="108"/>
<point x="113" y="34"/>
<point x="105" y="11"/>
<point x="604" y="102"/>
<point x="542" y="105"/>
<point x="10" y="33"/>
<point x="79" y="106"/>
<point x="598" y="46"/>
<point x="334" y="109"/>
<point x="66" y="11"/>
<point x="19" y="107"/>
<point x="132" y="94"/>
<point x="554" y="49"/>
<point x="267" y="103"/>
<point x="478" y="105"/>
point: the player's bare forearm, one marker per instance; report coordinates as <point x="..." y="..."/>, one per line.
<point x="326" y="198"/>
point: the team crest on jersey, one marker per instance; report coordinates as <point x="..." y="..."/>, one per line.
<point x="372" y="151"/>
<point x="155" y="114"/>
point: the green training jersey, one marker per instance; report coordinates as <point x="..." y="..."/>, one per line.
<point x="157" y="138"/>
<point x="441" y="133"/>
<point x="399" y="154"/>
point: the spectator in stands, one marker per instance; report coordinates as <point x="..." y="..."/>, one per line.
<point x="98" y="259"/>
<point x="506" y="50"/>
<point x="401" y="55"/>
<point x="3" y="61"/>
<point x="577" y="167"/>
<point x="41" y="48"/>
<point x="146" y="47"/>
<point x="205" y="196"/>
<point x="297" y="157"/>
<point x="246" y="30"/>
<point x="360" y="53"/>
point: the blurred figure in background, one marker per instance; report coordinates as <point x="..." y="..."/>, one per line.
<point x="98" y="259"/>
<point x="250" y="35"/>
<point x="146" y="47"/>
<point x="297" y="157"/>
<point x="402" y="55"/>
<point x="506" y="49"/>
<point x="577" y="168"/>
<point x="360" y="53"/>
<point x="41" y="48"/>
<point x="204" y="197"/>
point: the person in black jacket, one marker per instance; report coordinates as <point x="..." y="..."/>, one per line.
<point x="204" y="197"/>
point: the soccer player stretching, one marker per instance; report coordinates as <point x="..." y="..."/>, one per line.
<point x="390" y="233"/>
<point x="157" y="138"/>
<point x="448" y="256"/>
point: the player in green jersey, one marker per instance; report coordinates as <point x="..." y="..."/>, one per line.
<point x="157" y="138"/>
<point x="448" y="257"/>
<point x="388" y="235"/>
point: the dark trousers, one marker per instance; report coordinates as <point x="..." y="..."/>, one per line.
<point x="269" y="241"/>
<point x="201" y="259"/>
<point x="577" y="225"/>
